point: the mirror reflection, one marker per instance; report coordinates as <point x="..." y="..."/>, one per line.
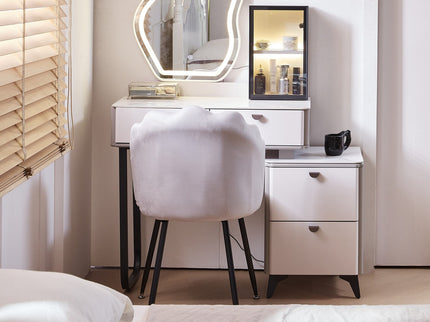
<point x="188" y="39"/>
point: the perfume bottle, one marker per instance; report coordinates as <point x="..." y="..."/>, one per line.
<point x="297" y="85"/>
<point x="260" y="82"/>
<point x="283" y="80"/>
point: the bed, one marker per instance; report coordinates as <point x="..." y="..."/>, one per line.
<point x="284" y="313"/>
<point x="49" y="296"/>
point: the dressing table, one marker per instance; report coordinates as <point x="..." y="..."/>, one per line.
<point x="281" y="123"/>
<point x="312" y="201"/>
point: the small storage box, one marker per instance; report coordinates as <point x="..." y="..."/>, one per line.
<point x="153" y="90"/>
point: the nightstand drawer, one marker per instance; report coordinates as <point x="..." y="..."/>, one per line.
<point x="308" y="194"/>
<point x="295" y="250"/>
<point x="278" y="128"/>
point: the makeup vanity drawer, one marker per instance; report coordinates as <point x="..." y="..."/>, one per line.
<point x="329" y="194"/>
<point x="123" y="119"/>
<point x="330" y="249"/>
<point x="277" y="127"/>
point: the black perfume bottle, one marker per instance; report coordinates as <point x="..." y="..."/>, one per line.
<point x="260" y="82"/>
<point x="297" y="85"/>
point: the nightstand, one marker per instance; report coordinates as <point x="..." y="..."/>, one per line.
<point x="312" y="215"/>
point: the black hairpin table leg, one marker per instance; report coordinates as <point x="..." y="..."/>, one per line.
<point x="127" y="282"/>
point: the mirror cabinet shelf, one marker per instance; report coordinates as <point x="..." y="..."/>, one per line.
<point x="278" y="53"/>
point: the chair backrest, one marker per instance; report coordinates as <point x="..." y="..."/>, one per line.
<point x="194" y="165"/>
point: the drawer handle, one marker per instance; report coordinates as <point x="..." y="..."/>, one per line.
<point x="314" y="229"/>
<point x="257" y="116"/>
<point x="314" y="174"/>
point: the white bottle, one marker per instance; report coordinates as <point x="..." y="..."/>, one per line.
<point x="283" y="80"/>
<point x="272" y="77"/>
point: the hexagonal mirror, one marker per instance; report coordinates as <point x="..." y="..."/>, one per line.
<point x="188" y="39"/>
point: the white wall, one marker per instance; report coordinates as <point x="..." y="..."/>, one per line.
<point x="342" y="68"/>
<point x="403" y="132"/>
<point x="45" y="222"/>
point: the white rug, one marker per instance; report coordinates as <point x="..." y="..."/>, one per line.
<point x="290" y="313"/>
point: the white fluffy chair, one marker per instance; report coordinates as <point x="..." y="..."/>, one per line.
<point x="194" y="165"/>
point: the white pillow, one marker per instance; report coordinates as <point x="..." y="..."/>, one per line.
<point x="212" y="50"/>
<point x="48" y="296"/>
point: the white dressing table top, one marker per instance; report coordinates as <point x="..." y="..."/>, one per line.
<point x="213" y="102"/>
<point x="315" y="156"/>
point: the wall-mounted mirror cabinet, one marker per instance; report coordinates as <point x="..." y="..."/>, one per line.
<point x="278" y="52"/>
<point x="188" y="39"/>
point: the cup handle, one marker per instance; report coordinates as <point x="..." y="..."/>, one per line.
<point x="347" y="134"/>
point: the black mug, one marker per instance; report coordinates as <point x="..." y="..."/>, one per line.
<point x="335" y="144"/>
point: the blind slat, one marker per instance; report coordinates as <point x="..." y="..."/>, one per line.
<point x="37" y="133"/>
<point x="15" y="117"/>
<point x="10" y="5"/>
<point x="17" y="4"/>
<point x="8" y="47"/>
<point x="15" y="17"/>
<point x="9" y="119"/>
<point x="38" y="80"/>
<point x="32" y="28"/>
<point x="9" y="105"/>
<point x="9" y="134"/>
<point x="8" y="91"/>
<point x="39" y="106"/>
<point x="31" y="55"/>
<point x="9" y="163"/>
<point x="41" y="92"/>
<point x="38" y="120"/>
<point x="9" y="76"/>
<point x="35" y="147"/>
<point x="9" y="149"/>
<point x="38" y="67"/>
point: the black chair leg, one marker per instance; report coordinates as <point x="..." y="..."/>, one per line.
<point x="158" y="262"/>
<point x="230" y="262"/>
<point x="149" y="257"/>
<point x="248" y="257"/>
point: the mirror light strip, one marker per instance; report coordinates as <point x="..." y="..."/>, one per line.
<point x="218" y="74"/>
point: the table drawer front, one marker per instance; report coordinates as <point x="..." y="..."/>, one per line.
<point x="295" y="250"/>
<point x="124" y="119"/>
<point x="278" y="128"/>
<point x="307" y="194"/>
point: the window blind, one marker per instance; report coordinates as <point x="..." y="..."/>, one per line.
<point x="34" y="79"/>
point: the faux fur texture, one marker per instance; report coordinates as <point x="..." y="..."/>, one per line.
<point x="194" y="165"/>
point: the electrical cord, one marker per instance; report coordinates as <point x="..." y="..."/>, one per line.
<point x="240" y="67"/>
<point x="241" y="247"/>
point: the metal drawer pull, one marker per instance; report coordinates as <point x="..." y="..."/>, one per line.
<point x="314" y="229"/>
<point x="314" y="174"/>
<point x="257" y="116"/>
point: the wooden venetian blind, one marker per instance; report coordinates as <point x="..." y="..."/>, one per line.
<point x="33" y="87"/>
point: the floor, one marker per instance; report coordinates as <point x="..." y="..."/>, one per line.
<point x="190" y="286"/>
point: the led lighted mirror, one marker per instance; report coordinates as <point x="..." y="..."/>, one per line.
<point x="188" y="39"/>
